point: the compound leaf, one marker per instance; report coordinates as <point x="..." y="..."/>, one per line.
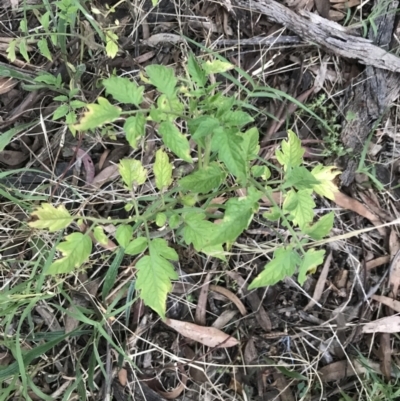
<point x="136" y="246"/>
<point x="196" y="72"/>
<point x="76" y="250"/>
<point x="124" y="90"/>
<point x="50" y="217"/>
<point x="154" y="275"/>
<point x="98" y="115"/>
<point x="124" y="235"/>
<point x="283" y="264"/>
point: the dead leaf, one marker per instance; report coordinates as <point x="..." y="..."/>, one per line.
<point x="354" y="205"/>
<point x="343" y="369"/>
<point x="162" y="38"/>
<point x="48" y="316"/>
<point x="390" y="302"/>
<point x="388" y="324"/>
<point x="6" y="84"/>
<point x="108" y="174"/>
<point x="196" y="371"/>
<point x="177" y="391"/>
<point x="372" y="264"/>
<point x="255" y="302"/>
<point x="209" y="336"/>
<point x="323" y="7"/>
<point x="13" y="157"/>
<point x="285" y="393"/>
<point x="224" y="318"/>
<point x="123" y="377"/>
<point x="201" y="308"/>
<point x="250" y="352"/>
<point x="319" y="288"/>
<point x="231" y="296"/>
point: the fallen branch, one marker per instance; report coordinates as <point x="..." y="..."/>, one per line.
<point x="327" y="34"/>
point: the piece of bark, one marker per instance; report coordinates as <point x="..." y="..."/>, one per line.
<point x="328" y="34"/>
<point x="367" y="100"/>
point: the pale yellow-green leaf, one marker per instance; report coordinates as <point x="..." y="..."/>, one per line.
<point x="132" y="172"/>
<point x="100" y="236"/>
<point x="76" y="250"/>
<point x="50" y="217"/>
<point x="325" y="175"/>
<point x="162" y="170"/>
<point x="111" y="44"/>
<point x="98" y="114"/>
<point x="216" y="67"/>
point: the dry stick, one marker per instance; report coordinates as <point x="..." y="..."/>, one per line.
<point x="328" y="34"/>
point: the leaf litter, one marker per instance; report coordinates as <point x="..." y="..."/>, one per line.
<point x="271" y="321"/>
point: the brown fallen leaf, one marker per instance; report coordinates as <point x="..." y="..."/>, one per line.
<point x="339" y="370"/>
<point x="391" y="303"/>
<point x="354" y="205"/>
<point x="13" y="157"/>
<point x="231" y="296"/>
<point x="123" y="377"/>
<point x="201" y="307"/>
<point x="319" y="288"/>
<point x="5" y="358"/>
<point x="209" y="336"/>
<point x="106" y="175"/>
<point x="323" y="7"/>
<point x="388" y="324"/>
<point x="372" y="264"/>
<point x="224" y="318"/>
<point x="196" y="370"/>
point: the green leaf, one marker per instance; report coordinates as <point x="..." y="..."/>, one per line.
<point x="274" y="214"/>
<point x="111" y="44"/>
<point x="161" y="219"/>
<point x="261" y="171"/>
<point x="98" y="115"/>
<point x="99" y="235"/>
<point x="236" y="118"/>
<point x="175" y="141"/>
<point x="202" y="127"/>
<point x="238" y="215"/>
<point x="230" y="151"/>
<point x="132" y="172"/>
<point x="162" y="170"/>
<point x="321" y="228"/>
<point x="216" y="67"/>
<point x="124" y="90"/>
<point x="60" y="112"/>
<point x="11" y="55"/>
<point x="250" y="144"/>
<point x="300" y="178"/>
<point x="136" y="246"/>
<point x="76" y="250"/>
<point x="292" y="153"/>
<point x="311" y="260"/>
<point x="163" y="78"/>
<point x="112" y="272"/>
<point x="169" y="108"/>
<point x="204" y="180"/>
<point x="44" y="49"/>
<point x="300" y="205"/>
<point x="135" y="127"/>
<point x="23" y="49"/>
<point x="282" y="265"/>
<point x="325" y="175"/>
<point x="154" y="3"/>
<point x="154" y="275"/>
<point x="123" y="235"/>
<point x="197" y="230"/>
<point x="174" y="221"/>
<point x="196" y="72"/>
<point x="52" y="218"/>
